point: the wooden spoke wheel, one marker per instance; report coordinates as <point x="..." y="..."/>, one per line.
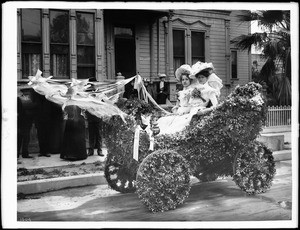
<point x="254" y="169"/>
<point x="118" y="176"/>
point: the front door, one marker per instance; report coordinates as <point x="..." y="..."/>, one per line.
<point x="125" y="59"/>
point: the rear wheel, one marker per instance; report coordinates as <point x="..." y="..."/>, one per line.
<point x="119" y="176"/>
<point x="254" y="169"/>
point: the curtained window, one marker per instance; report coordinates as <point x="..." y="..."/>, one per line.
<point x="85" y="45"/>
<point x="59" y="44"/>
<point x="31" y="42"/>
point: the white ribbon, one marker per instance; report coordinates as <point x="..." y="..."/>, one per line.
<point x="136" y="143"/>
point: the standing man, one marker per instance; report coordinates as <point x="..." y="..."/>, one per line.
<point x="162" y="89"/>
<point x="95" y="136"/>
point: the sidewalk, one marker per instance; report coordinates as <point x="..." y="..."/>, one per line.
<point x="45" y="185"/>
<point x="55" y="161"/>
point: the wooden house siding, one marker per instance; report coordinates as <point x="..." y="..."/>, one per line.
<point x="152" y="45"/>
<point x="238" y="28"/>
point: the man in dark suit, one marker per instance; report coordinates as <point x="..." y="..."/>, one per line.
<point x="162" y="89"/>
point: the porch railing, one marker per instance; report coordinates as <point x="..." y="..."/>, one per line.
<point x="278" y="116"/>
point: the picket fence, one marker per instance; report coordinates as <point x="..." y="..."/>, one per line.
<point x="278" y="116"/>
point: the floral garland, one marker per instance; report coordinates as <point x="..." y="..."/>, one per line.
<point x="163" y="180"/>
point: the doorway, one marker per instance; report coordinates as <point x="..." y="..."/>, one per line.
<point x="125" y="58"/>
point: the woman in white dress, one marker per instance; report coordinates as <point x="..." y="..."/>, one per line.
<point x="206" y="89"/>
<point x="207" y="70"/>
<point x="180" y="116"/>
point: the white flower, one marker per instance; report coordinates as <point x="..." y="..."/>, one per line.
<point x="257" y="100"/>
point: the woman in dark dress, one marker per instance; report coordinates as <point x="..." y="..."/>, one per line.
<point x="74" y="145"/>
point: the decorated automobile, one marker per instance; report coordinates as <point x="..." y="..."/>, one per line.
<point x="158" y="167"/>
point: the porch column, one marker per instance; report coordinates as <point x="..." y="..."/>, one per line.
<point x="46" y="42"/>
<point x="227" y="52"/>
<point x="99" y="30"/>
<point x="73" y="47"/>
<point x="170" y="72"/>
<point x="152" y="49"/>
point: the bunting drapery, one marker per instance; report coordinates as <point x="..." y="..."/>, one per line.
<point x="99" y="101"/>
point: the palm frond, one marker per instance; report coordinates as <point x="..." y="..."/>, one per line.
<point x="248" y="16"/>
<point x="244" y="42"/>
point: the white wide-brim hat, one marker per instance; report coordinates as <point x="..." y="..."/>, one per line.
<point x="184" y="69"/>
<point x="200" y="66"/>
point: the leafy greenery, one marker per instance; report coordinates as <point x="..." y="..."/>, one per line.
<point x="276" y="50"/>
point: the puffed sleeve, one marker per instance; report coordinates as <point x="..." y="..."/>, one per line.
<point x="215" y="82"/>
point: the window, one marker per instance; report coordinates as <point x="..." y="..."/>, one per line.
<point x="85" y="45"/>
<point x="178" y="47"/>
<point x="59" y="44"/>
<point x="234" y="64"/>
<point x="195" y="47"/>
<point x="198" y="47"/>
<point x="31" y="42"/>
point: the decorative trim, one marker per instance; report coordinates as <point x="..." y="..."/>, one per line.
<point x="179" y="20"/>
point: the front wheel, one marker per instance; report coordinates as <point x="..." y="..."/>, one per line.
<point x="254" y="168"/>
<point x="163" y="180"/>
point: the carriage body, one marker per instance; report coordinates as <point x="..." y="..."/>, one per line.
<point x="220" y="143"/>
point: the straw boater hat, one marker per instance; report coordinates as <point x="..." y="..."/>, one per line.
<point x="184" y="69"/>
<point x="161" y="75"/>
<point x="200" y="66"/>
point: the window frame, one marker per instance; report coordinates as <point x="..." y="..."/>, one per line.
<point x="231" y="65"/>
<point x="80" y="65"/>
<point x="68" y="45"/>
<point x="203" y="34"/>
<point x="188" y="42"/>
<point x="184" y="45"/>
<point x="24" y="75"/>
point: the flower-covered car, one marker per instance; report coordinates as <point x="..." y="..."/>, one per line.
<point x="220" y="143"/>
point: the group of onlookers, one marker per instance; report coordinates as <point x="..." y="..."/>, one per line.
<point x="159" y="91"/>
<point x="57" y="131"/>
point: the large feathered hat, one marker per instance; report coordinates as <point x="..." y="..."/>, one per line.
<point x="184" y="69"/>
<point x="200" y="66"/>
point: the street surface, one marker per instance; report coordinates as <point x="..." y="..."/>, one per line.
<point x="220" y="200"/>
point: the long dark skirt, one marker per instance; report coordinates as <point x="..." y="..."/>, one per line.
<point x="74" y="145"/>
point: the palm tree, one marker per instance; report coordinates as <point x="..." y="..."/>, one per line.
<point x="276" y="50"/>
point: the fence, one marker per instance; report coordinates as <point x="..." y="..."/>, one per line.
<point x="278" y="116"/>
